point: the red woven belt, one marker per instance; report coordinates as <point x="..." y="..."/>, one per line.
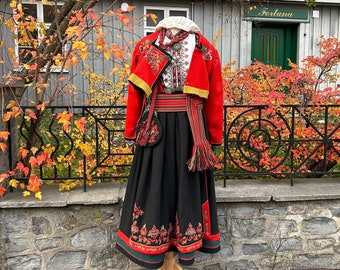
<point x="203" y="157"/>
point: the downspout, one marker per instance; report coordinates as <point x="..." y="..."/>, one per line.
<point x="192" y="10"/>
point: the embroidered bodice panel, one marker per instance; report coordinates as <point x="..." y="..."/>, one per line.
<point x="175" y="74"/>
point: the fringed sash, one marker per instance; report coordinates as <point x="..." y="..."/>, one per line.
<point x="203" y="157"/>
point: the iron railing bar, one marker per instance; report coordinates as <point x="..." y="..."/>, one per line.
<point x="292" y="136"/>
<point x="281" y="143"/>
<point x="225" y="111"/>
<point x="84" y="157"/>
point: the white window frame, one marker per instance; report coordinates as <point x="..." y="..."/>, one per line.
<point x="40" y="18"/>
<point x="150" y="29"/>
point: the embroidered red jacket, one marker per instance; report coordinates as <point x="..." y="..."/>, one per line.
<point x="204" y="79"/>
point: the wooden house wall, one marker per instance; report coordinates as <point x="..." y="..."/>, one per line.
<point x="213" y="17"/>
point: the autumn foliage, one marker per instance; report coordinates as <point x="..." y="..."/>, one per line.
<point x="63" y="45"/>
<point x="259" y="137"/>
<point x="256" y="84"/>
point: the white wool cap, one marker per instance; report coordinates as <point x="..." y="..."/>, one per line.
<point x="180" y="22"/>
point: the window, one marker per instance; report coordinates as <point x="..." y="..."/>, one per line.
<point x="42" y="13"/>
<point x="161" y="13"/>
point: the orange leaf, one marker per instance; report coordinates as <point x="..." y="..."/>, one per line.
<point x="26" y="170"/>
<point x="64" y="118"/>
<point x="43" y="157"/>
<point x="34" y="183"/>
<point x="23" y="153"/>
<point x="80" y="124"/>
<point x="7" y="116"/>
<point x="4" y="135"/>
<point x="11" y="104"/>
<point x="15" y="111"/>
<point x="3" y="147"/>
<point x="3" y="176"/>
<point x="2" y="191"/>
<point x="20" y="166"/>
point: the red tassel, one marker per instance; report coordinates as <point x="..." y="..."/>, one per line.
<point x="203" y="158"/>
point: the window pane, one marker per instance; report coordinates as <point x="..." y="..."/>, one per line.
<point x="30" y="10"/>
<point x="49" y="13"/>
<point x="25" y="38"/>
<point x="178" y="13"/>
<point x="25" y="54"/>
<point x="158" y="13"/>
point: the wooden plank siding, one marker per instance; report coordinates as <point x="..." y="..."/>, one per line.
<point x="212" y="16"/>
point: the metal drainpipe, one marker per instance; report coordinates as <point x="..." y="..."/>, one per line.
<point x="192" y="10"/>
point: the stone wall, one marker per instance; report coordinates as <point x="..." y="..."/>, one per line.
<point x="260" y="230"/>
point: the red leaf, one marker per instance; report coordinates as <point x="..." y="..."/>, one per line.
<point x="2" y="191"/>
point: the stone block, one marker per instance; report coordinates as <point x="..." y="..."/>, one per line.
<point x="252" y="249"/>
<point x="89" y="237"/>
<point x="319" y="226"/>
<point x="49" y="243"/>
<point x="247" y="228"/>
<point x="241" y="265"/>
<point x="67" y="260"/>
<point x="25" y="262"/>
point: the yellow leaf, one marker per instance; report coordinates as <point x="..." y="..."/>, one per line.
<point x="19" y="7"/>
<point x="154" y="18"/>
<point x="107" y="55"/>
<point x="13" y="4"/>
<point x="34" y="150"/>
<point x="47" y="2"/>
<point x="113" y="70"/>
<point x="38" y="195"/>
<point x="11" y="52"/>
<point x="14" y="183"/>
<point x="83" y="53"/>
<point x="10" y="24"/>
<point x="26" y="193"/>
<point x="78" y="44"/>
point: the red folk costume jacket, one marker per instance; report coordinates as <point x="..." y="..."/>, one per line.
<point x="204" y="79"/>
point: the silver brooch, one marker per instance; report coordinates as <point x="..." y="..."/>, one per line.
<point x="176" y="46"/>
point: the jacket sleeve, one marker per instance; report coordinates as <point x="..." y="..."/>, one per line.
<point x="213" y="105"/>
<point x="134" y="102"/>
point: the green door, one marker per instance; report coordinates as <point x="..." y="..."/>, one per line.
<point x="273" y="45"/>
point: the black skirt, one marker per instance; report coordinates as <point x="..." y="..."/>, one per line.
<point x="166" y="207"/>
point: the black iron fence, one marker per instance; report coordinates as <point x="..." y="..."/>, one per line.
<point x="86" y="144"/>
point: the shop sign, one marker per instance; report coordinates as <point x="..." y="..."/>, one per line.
<point x="273" y="12"/>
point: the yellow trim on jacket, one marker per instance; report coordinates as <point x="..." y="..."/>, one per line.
<point x="139" y="82"/>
